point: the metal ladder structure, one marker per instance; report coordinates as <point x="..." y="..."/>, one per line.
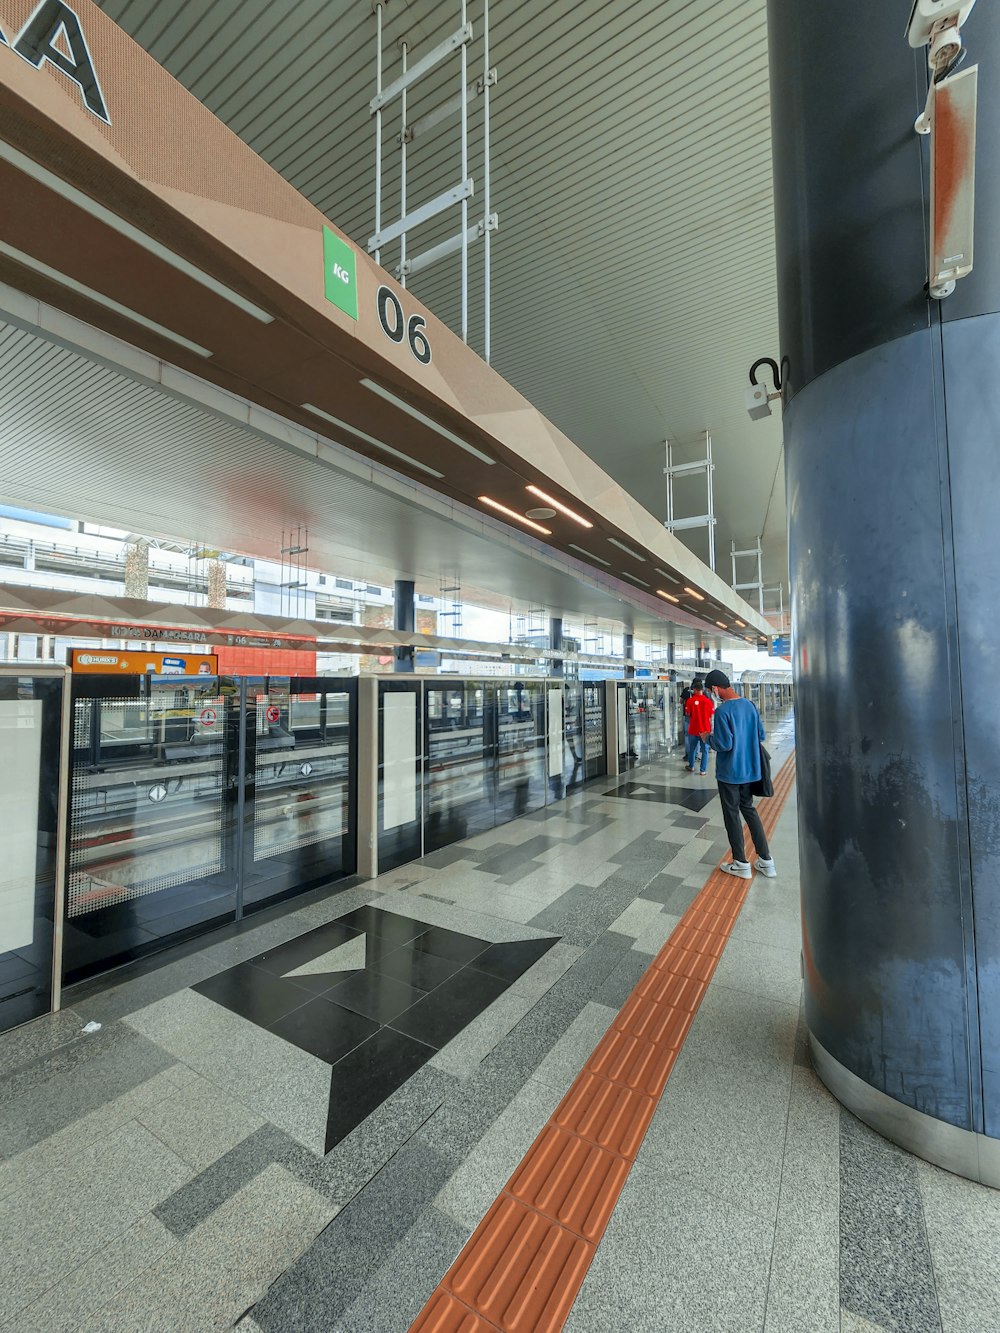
<point x="458" y="43"/>
<point x="756" y="584"/>
<point x="706" y="520"/>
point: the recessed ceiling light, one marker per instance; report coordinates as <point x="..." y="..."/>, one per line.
<point x="88" y="205"/>
<point x="589" y="555"/>
<point x="667" y="576"/>
<point x="627" y="549"/>
<point x="722" y="624"/>
<point x="668" y="595"/>
<point x="563" y="509"/>
<point x="512" y="513"/>
<point x="370" y="439"/>
<point x="64" y="280"/>
<point x="697" y="595"/>
<point x="635" y="580"/>
<point x="741" y="623"/>
<point x="427" y="421"/>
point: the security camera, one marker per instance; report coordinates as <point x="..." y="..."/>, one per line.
<point x="755" y="397"/>
<point x="927" y="15"/>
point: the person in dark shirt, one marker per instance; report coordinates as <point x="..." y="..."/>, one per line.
<point x="699" y="709"/>
<point x="736" y="738"/>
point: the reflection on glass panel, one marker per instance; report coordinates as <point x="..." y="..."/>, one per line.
<point x="147" y="782"/>
<point x="400" y="827"/>
<point x="459" y="772"/>
<point x="593" y="728"/>
<point x="574" y="766"/>
<point x="30" y="711"/>
<point x="302" y="771"/>
<point x="521" y="749"/>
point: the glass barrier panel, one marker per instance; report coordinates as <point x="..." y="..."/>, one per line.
<point x="300" y="827"/>
<point x="521" y="761"/>
<point x="596" y="761"/>
<point x="149" y="857"/>
<point x="573" y="766"/>
<point x="30" y="741"/>
<point x="400" y="794"/>
<point x="459" y="761"/>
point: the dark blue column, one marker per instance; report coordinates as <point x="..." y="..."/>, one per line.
<point x="556" y="666"/>
<point x="628" y="647"/>
<point x="891" y="415"/>
<point x="403" y="618"/>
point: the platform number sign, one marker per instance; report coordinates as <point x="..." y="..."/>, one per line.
<point x="53" y="35"/>
<point x="340" y="273"/>
<point x="396" y="326"/>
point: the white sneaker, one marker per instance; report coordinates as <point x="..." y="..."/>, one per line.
<point x="765" y="867"/>
<point x="741" y="869"/>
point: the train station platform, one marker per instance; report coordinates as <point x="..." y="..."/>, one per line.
<point x="554" y="1075"/>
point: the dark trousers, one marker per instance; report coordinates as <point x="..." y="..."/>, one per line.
<point x="737" y="800"/>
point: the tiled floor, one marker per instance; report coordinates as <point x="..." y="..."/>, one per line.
<point x="298" y="1126"/>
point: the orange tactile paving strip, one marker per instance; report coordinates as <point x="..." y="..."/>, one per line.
<point x="523" y="1266"/>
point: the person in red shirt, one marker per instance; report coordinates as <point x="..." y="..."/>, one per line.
<point x="699" y="709"/>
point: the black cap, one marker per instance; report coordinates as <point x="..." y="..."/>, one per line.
<point x="718" y="679"/>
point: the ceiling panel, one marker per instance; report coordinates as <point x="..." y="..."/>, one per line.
<point x="633" y="275"/>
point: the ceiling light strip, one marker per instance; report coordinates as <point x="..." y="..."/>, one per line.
<point x="557" y="504"/>
<point x="627" y="549"/>
<point x="64" y="280"/>
<point x="8" y="153"/>
<point x="588" y="555"/>
<point x="370" y="439"/>
<point x="667" y="576"/>
<point x="696" y="595"/>
<point x="641" y="582"/>
<point x="512" y="513"/>
<point x="668" y="595"/>
<point x="427" y="421"/>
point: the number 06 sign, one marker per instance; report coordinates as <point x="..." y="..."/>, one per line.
<point x="396" y="326"/>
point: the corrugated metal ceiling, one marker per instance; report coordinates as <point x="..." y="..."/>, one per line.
<point x="633" y="276"/>
<point x="70" y="422"/>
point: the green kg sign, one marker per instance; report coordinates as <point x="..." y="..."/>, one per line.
<point x="340" y="273"/>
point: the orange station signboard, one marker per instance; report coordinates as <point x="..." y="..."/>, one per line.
<point x="110" y="662"/>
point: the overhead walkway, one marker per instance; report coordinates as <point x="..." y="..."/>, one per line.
<point x="328" y="1117"/>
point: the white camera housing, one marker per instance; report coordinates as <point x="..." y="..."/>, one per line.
<point x="755" y="397"/>
<point x="927" y="14"/>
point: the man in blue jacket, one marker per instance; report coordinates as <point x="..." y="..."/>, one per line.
<point x="737" y="732"/>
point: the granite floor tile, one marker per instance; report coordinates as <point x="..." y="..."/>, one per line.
<point x="463" y="1054"/>
<point x="639" y="915"/>
<point x="963" y="1231"/>
<point x="75" y="1079"/>
<point x="761" y="969"/>
<point x="76" y="1303"/>
<point x="569" y="1054"/>
<point x="280" y="1082"/>
<point x="715" y="1280"/>
<point x="623" y="979"/>
<point x="60" y="1149"/>
<point x="548" y="970"/>
<point x="399" y="1289"/>
<point x="471" y="1190"/>
<point x="656" y="934"/>
<point x="37" y="1039"/>
<point x="225" y="1264"/>
<point x="319" y="1288"/>
<point x="53" y="1226"/>
<point x="199" y="1122"/>
<point x="886" y="1272"/>
<point x="804" y="1285"/>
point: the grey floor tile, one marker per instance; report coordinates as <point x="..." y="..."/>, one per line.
<point x="317" y="1290"/>
<point x="886" y="1273"/>
<point x="623" y="979"/>
<point x="470" y="1192"/>
<point x="462" y="1055"/>
<point x="74" y="1080"/>
<point x="656" y="934"/>
<point x="37" y="1039"/>
<point x="569" y="1054"/>
<point x="761" y="969"/>
<point x="282" y="1083"/>
<point x="76" y="1303"/>
<point x="400" y="1288"/>
<point x="637" y="917"/>
<point x="673" y="1260"/>
<point x="963" y="1230"/>
<point x="225" y="1264"/>
<point x="199" y="1122"/>
<point x="52" y="1227"/>
<point x="548" y="970"/>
